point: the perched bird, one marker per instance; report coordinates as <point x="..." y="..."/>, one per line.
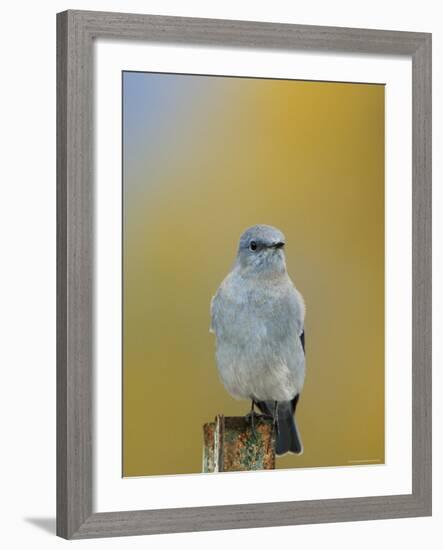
<point x="257" y="316"/>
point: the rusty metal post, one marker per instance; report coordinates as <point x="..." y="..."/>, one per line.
<point x="230" y="444"/>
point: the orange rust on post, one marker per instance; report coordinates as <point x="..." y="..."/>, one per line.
<point x="208" y="447"/>
<point x="230" y="444"/>
<point x="219" y="443"/>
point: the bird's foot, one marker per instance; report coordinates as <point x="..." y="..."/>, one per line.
<point x="251" y="418"/>
<point x="275" y="426"/>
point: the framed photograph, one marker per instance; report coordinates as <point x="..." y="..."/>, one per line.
<point x="243" y="274"/>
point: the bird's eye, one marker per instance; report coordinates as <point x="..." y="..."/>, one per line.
<point x="253" y="245"/>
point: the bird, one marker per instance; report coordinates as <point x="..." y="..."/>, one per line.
<point x="257" y="316"/>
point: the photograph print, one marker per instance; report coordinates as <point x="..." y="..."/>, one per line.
<point x="253" y="274"/>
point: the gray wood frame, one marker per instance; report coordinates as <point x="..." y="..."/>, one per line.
<point x="76" y="31"/>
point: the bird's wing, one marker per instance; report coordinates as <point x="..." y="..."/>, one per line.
<point x="294" y="403"/>
<point x="298" y="308"/>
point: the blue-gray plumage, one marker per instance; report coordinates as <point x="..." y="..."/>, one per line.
<point x="257" y="316"/>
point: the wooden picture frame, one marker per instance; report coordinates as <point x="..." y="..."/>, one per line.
<point x="76" y="31"/>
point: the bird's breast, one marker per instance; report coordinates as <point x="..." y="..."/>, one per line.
<point x="249" y="313"/>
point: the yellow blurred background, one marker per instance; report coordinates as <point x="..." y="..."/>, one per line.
<point x="204" y="158"/>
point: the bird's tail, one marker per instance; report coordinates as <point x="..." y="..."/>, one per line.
<point x="288" y="437"/>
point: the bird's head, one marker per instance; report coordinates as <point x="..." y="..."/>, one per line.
<point x="261" y="250"/>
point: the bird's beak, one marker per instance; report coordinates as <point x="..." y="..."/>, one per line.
<point x="280" y="244"/>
